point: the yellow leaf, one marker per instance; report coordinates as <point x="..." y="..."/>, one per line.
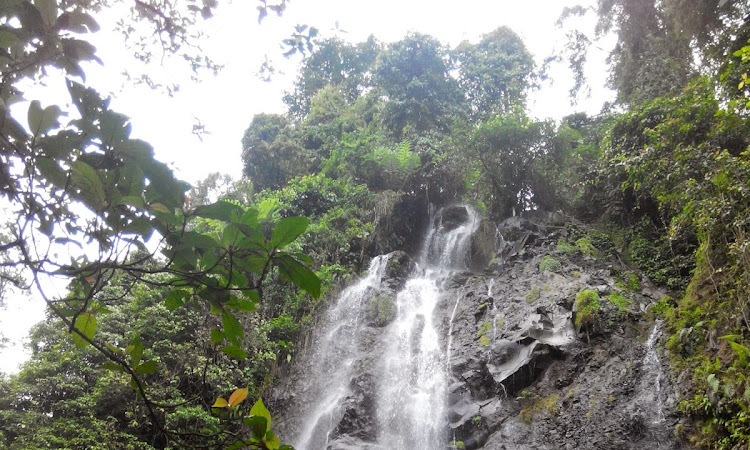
<point x="158" y="207"/>
<point x="237" y="397"/>
<point x="220" y="403"/>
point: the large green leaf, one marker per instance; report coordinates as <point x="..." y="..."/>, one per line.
<point x="48" y="10"/>
<point x="298" y="274"/>
<point x="234" y="351"/>
<point x="92" y="189"/>
<point x="232" y="328"/>
<point x="42" y="120"/>
<point x="221" y="210"/>
<point x="287" y="230"/>
<point x="260" y="410"/>
<point x="86" y="324"/>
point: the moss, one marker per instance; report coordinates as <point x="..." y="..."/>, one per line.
<point x="629" y="282"/>
<point x="563" y="246"/>
<point x="576" y="274"/>
<point x="533" y="404"/>
<point x="549" y="264"/>
<point x="485" y="327"/>
<point x="586" y="306"/>
<point x="584" y="244"/>
<point x="620" y="301"/>
<point x="533" y="295"/>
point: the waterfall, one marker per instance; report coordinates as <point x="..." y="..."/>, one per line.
<point x="652" y="367"/>
<point x="411" y="398"/>
<point x="335" y="355"/>
<point x="407" y="363"/>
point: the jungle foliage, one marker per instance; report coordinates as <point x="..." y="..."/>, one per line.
<point x="167" y="344"/>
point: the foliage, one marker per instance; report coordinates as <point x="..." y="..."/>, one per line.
<point x="586" y="307"/>
<point x="89" y="205"/>
<point x="413" y="74"/>
<point x="549" y="264"/>
<point x="622" y="302"/>
<point x="533" y="294"/>
<point x="494" y="74"/>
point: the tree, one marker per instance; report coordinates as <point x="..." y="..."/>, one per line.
<point x="506" y="148"/>
<point x="413" y="77"/>
<point x="495" y="73"/>
<point x="657" y="42"/>
<point x="89" y="205"/>
<point x="333" y="62"/>
<point x="272" y="153"/>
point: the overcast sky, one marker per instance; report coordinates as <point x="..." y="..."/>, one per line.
<point x="226" y="103"/>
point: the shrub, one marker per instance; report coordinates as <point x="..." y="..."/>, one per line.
<point x="563" y="246"/>
<point x="586" y="307"/>
<point x="549" y="264"/>
<point x="533" y="295"/>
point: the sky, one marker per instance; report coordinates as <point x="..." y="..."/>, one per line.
<point x="226" y="103"/>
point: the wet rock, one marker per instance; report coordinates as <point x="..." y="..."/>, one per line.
<point x="452" y="217"/>
<point x="483" y="246"/>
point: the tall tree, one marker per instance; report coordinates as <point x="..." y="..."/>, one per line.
<point x="495" y="73"/>
<point x="413" y="76"/>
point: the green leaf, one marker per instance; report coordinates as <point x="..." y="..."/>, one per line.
<point x="92" y="190"/>
<point x="287" y="230"/>
<point x="86" y="324"/>
<point x="48" y="10"/>
<point x="42" y="120"/>
<point x="241" y="304"/>
<point x="259" y="409"/>
<point x="77" y="22"/>
<point x="114" y="367"/>
<point x="234" y="351"/>
<point x="271" y="441"/>
<point x="232" y="328"/>
<point x="217" y="336"/>
<point x="146" y="367"/>
<point x="258" y="425"/>
<point x="175" y="299"/>
<point x="221" y="210"/>
<point x="132" y="200"/>
<point x="299" y="274"/>
<point x="51" y="171"/>
<point x="135" y="351"/>
<point x="115" y="127"/>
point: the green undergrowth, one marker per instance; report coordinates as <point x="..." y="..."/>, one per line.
<point x="586" y="307"/>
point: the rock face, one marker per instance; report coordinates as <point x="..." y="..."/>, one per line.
<point x="521" y="375"/>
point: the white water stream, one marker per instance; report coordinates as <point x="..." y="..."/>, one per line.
<point x="412" y="378"/>
<point x="335" y="353"/>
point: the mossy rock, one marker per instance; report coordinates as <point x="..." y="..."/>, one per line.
<point x="381" y="310"/>
<point x="400" y="265"/>
<point x="586" y="307"/>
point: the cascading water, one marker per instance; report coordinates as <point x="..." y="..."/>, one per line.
<point x="411" y="380"/>
<point x="653" y="369"/>
<point x="334" y="355"/>
<point x="411" y="400"/>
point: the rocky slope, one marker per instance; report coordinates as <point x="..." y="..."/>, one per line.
<point x="529" y="366"/>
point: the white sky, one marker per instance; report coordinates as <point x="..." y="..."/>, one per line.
<point x="226" y="104"/>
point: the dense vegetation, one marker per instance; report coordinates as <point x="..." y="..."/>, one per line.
<point x="375" y="134"/>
